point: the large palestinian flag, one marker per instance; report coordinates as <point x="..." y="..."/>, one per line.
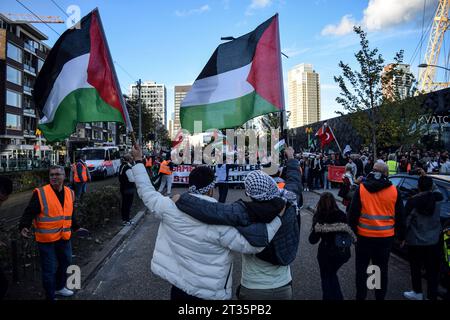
<point x="77" y="82"/>
<point x="242" y="80"/>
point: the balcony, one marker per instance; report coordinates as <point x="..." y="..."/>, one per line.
<point x="29" y="69"/>
<point x="27" y="89"/>
<point x="29" y="47"/>
<point x="29" y="133"/>
<point x="29" y="112"/>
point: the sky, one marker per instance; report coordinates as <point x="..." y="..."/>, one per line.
<point x="170" y="41"/>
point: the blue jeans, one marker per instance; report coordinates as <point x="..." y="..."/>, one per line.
<point x="326" y="183"/>
<point x="80" y="189"/>
<point x="56" y="257"/>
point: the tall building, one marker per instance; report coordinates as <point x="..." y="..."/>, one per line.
<point x="304" y="95"/>
<point x="153" y="97"/>
<point x="22" y="55"/>
<point x="397" y="81"/>
<point x="180" y="93"/>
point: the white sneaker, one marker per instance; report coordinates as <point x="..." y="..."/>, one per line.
<point x="411" y="295"/>
<point x="64" y="292"/>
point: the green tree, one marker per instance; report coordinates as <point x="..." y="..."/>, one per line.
<point x="151" y="124"/>
<point x="382" y="120"/>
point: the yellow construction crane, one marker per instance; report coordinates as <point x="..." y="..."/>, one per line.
<point x="428" y="73"/>
<point x="29" y="18"/>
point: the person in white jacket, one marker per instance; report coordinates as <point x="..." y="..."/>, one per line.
<point x="194" y="257"/>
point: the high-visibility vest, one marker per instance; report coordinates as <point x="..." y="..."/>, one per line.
<point x="377" y="218"/>
<point x="148" y="162"/>
<point x="53" y="222"/>
<point x="84" y="176"/>
<point x="164" y="167"/>
<point x="392" y="165"/>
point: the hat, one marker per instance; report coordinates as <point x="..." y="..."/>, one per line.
<point x="260" y="186"/>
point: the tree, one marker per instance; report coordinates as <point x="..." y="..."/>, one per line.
<point x="382" y="120"/>
<point x="151" y="125"/>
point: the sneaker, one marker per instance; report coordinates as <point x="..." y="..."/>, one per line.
<point x="128" y="223"/>
<point x="412" y="295"/>
<point x="64" y="292"/>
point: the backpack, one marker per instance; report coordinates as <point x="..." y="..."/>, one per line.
<point x="342" y="244"/>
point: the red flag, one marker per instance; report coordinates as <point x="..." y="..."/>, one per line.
<point x="325" y="135"/>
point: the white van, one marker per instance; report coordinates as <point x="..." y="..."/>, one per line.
<point x="102" y="161"/>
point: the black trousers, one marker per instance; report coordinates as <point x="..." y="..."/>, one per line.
<point x="179" y="295"/>
<point x="223" y="192"/>
<point x="329" y="266"/>
<point x="377" y="251"/>
<point x="127" y="202"/>
<point x="429" y="258"/>
<point x="3" y="284"/>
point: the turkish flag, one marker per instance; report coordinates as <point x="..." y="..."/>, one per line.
<point x="325" y="135"/>
<point x="335" y="173"/>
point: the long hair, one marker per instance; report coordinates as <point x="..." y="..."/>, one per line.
<point x="325" y="207"/>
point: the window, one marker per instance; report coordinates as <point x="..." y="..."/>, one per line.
<point x="13" y="98"/>
<point x="40" y="64"/>
<point x="13" y="122"/>
<point x="14" y="52"/>
<point x="13" y="75"/>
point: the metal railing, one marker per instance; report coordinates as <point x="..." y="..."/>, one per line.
<point x="7" y="165"/>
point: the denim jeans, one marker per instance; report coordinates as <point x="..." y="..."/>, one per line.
<point x="80" y="189"/>
<point x="56" y="257"/>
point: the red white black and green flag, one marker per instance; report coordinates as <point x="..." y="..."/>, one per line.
<point x="242" y="80"/>
<point x="78" y="83"/>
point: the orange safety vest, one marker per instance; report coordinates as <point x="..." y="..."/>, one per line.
<point x="377" y="218"/>
<point x="148" y="162"/>
<point x="281" y="185"/>
<point x="53" y="222"/>
<point x="164" y="167"/>
<point x="84" y="176"/>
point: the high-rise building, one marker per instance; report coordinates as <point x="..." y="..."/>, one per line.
<point x="304" y="95"/>
<point x="397" y="81"/>
<point x="153" y="97"/>
<point x="180" y="93"/>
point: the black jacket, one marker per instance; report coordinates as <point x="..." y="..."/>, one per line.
<point x="374" y="185"/>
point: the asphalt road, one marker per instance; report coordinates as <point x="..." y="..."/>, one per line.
<point x="127" y="275"/>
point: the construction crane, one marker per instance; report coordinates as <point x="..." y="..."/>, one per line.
<point x="428" y="72"/>
<point x="29" y="18"/>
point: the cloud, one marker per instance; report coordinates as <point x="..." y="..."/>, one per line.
<point x="344" y="27"/>
<point x="185" y="13"/>
<point x="294" y="51"/>
<point x="381" y="15"/>
<point x="256" y="5"/>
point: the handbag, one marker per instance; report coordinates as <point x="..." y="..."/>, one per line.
<point x="342" y="243"/>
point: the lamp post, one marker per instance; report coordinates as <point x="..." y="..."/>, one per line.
<point x="424" y="65"/>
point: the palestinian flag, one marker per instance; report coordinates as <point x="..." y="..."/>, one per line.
<point x="242" y="80"/>
<point x="77" y="82"/>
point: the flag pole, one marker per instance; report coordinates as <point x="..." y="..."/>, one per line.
<point x="129" y="126"/>
<point x="283" y="108"/>
<point x="335" y="139"/>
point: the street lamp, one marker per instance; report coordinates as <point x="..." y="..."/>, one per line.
<point x="424" y="65"/>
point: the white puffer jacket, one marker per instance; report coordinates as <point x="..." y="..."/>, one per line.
<point x="189" y="254"/>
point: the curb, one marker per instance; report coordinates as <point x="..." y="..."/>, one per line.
<point x="91" y="269"/>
